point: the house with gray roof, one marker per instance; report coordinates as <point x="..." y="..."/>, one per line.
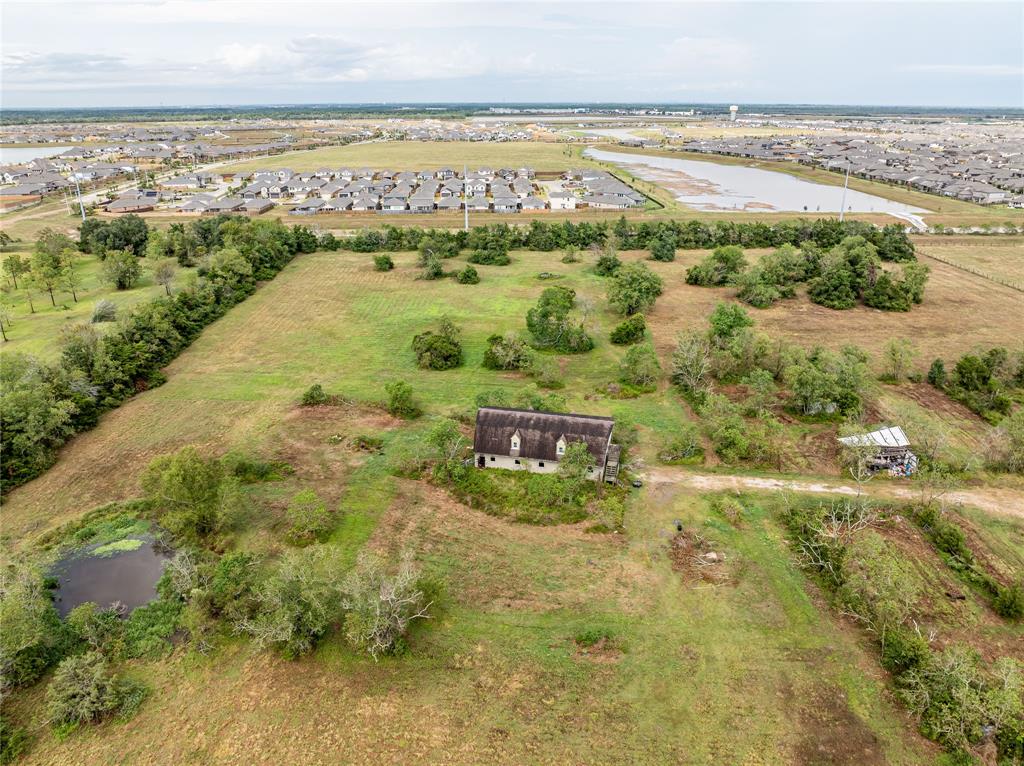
<point x="528" y="440"/>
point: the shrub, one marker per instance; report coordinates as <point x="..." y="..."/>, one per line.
<point x="383" y="262"/>
<point x="314" y="395"/>
<point x="684" y="447"/>
<point x="250" y="470"/>
<point x="546" y="372"/>
<point x="231" y="592"/>
<point x="663" y="247"/>
<point x="296" y="605"/>
<point x="439" y="350"/>
<point x="1009" y="602"/>
<point x="572" y="254"/>
<point x="381" y="606"/>
<point x="607" y="264"/>
<point x="432" y="268"/>
<point x="507" y="352"/>
<point x="121" y="269"/>
<point x="588" y="637"/>
<point x="101" y="629"/>
<point x="630" y="330"/>
<point x="13" y="742"/>
<point x="82" y="690"/>
<point x="308" y="518"/>
<point x="937" y="374"/>
<point x="611" y="512"/>
<point x="104" y="311"/>
<point x="755" y="291"/>
<point x="400" y="402"/>
<point x="726" y="321"/>
<point x="903" y="650"/>
<point x="719" y="268"/>
<point x="729" y="507"/>
<point x="640" y="367"/>
<point x="149" y="626"/>
<point x="490" y="257"/>
<point x="468" y="276"/>
<point x="886" y="294"/>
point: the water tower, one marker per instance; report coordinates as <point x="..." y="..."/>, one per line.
<point x="732" y="112"/>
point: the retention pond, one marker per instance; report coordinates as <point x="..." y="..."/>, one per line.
<point x="714" y="187"/>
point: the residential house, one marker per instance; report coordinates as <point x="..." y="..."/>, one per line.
<point x="528" y="440"/>
<point x="562" y="200"/>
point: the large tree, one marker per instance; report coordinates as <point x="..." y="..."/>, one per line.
<point x="634" y="289"/>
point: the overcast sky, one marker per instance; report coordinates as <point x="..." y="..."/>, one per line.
<point x="185" y="52"/>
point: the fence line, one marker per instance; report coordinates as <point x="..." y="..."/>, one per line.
<point x="1018" y="286"/>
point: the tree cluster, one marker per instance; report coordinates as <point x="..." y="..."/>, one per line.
<point x="43" y="404"/>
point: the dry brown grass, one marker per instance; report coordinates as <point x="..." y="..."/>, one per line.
<point x="961" y="311"/>
<point x="1000" y="259"/>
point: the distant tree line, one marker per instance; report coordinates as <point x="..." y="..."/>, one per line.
<point x="891" y="242"/>
<point x="43" y="405"/>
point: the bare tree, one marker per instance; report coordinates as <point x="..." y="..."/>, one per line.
<point x="380" y="606"/>
<point x="691" y="362"/>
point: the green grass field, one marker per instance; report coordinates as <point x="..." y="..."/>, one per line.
<point x="38" y="333"/>
<point x="746" y="666"/>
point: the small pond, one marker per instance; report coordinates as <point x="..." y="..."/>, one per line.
<point x="715" y="187"/>
<point x="124" y="571"/>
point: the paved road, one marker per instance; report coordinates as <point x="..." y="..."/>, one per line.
<point x="997" y="501"/>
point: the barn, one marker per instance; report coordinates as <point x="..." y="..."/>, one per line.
<point x="528" y="440"/>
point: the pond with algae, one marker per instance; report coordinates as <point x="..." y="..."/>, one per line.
<point x="110" y="572"/>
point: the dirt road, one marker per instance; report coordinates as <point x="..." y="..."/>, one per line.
<point x="998" y="501"/>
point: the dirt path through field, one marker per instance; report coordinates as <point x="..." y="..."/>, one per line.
<point x="1004" y="502"/>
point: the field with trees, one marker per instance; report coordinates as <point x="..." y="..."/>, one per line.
<point x="291" y="420"/>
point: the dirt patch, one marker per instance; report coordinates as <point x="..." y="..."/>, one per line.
<point x="604" y="651"/>
<point x="830" y="733"/>
<point x="697" y="559"/>
<point x="501" y="565"/>
<point x="1000" y="502"/>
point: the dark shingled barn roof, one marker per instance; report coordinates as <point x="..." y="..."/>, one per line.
<point x="539" y="432"/>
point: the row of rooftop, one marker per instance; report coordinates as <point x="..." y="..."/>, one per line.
<point x="426" y="191"/>
<point x="986" y="172"/>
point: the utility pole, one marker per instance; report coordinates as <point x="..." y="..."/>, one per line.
<point x="842" y="205"/>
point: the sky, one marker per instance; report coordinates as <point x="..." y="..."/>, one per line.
<point x="223" y="52"/>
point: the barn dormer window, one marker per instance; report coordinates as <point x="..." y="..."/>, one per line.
<point x="515" y="442"/>
<point x="560" y="446"/>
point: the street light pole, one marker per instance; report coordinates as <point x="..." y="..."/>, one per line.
<point x="846" y="184"/>
<point x="78" y="189"/>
